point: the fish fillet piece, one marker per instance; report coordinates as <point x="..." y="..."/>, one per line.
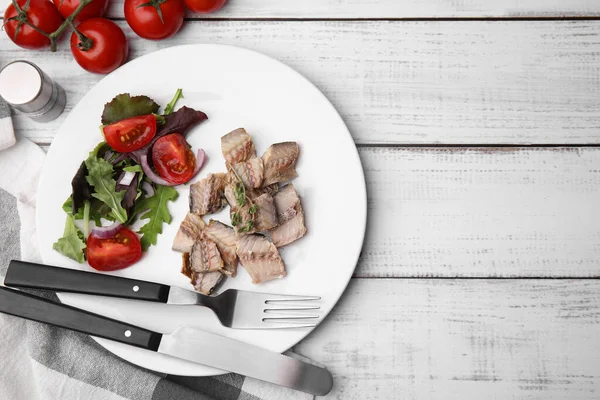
<point x="206" y="196"/>
<point x="203" y="283"/>
<point x="189" y="231"/>
<point x="266" y="215"/>
<point x="280" y="162"/>
<point x="287" y="203"/>
<point x="260" y="258"/>
<point x="271" y="189"/>
<point x="205" y="256"/>
<point x="226" y="240"/>
<point x="289" y="231"/>
<point x="251" y="172"/>
<point x="237" y="146"/>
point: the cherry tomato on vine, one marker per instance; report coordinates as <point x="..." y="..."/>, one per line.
<point x="95" y="9"/>
<point x="130" y="134"/>
<point x="204" y="6"/>
<point x="40" y="13"/>
<point x="154" y="19"/>
<point x="118" y="252"/>
<point x="104" y="47"/>
<point x="173" y="159"/>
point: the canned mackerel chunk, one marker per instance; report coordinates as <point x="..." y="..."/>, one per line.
<point x="29" y="90"/>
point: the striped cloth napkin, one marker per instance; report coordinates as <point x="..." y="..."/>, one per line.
<point x="43" y="362"/>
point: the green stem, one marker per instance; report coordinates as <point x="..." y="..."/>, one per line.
<point x="171" y="106"/>
<point x="85" y="43"/>
<point x="68" y="22"/>
<point x="86" y="219"/>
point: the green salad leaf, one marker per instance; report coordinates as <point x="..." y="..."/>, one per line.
<point x="156" y="212"/>
<point x="100" y="176"/>
<point x="125" y="106"/>
<point x="71" y="244"/>
<point x="98" y="210"/>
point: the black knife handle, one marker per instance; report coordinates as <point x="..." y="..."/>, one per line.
<point x="27" y="306"/>
<point x="44" y="277"/>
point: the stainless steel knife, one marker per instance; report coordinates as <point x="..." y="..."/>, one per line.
<point x="185" y="343"/>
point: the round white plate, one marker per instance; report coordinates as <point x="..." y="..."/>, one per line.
<point x="235" y="88"/>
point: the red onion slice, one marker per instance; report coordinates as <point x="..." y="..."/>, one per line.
<point x="106" y="232"/>
<point x="151" y="174"/>
<point x="148" y="189"/>
<point x="127" y="178"/>
<point x="200" y="161"/>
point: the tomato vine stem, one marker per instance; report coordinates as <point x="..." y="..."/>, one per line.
<point x="22" y="18"/>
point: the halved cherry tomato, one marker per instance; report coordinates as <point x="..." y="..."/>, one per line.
<point x="204" y="6"/>
<point x="130" y="134"/>
<point x="93" y="10"/>
<point x="173" y="159"/>
<point x="118" y="252"/>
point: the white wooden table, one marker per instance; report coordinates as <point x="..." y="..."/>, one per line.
<point x="478" y="123"/>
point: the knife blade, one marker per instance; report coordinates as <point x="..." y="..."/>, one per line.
<point x="185" y="343"/>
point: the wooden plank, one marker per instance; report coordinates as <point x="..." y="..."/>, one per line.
<point x="364" y="9"/>
<point x="248" y="9"/>
<point x="462" y="339"/>
<point x="512" y="212"/>
<point x="473" y="82"/>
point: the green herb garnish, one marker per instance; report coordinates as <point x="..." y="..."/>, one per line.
<point x="156" y="213"/>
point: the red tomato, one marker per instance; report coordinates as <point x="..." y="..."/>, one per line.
<point x="118" y="252"/>
<point x="204" y="6"/>
<point x="130" y="134"/>
<point x="173" y="159"/>
<point x="145" y="21"/>
<point x="107" y="50"/>
<point x="40" y="13"/>
<point x="95" y="9"/>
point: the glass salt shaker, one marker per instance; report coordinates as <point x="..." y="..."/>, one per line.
<point x="28" y="89"/>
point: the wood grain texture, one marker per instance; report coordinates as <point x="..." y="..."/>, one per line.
<point x="459" y="339"/>
<point x="362" y="9"/>
<point x="482" y="212"/>
<point x="475" y="82"/>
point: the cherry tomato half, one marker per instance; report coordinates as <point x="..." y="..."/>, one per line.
<point x="107" y="50"/>
<point x="40" y="13"/>
<point x="173" y="159"/>
<point x="118" y="252"/>
<point x="130" y="134"/>
<point x="145" y="21"/>
<point x="204" y="6"/>
<point x="95" y="9"/>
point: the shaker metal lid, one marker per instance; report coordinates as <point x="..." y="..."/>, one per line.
<point x="20" y="83"/>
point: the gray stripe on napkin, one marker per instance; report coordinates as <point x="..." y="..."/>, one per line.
<point x="222" y="387"/>
<point x="4" y="109"/>
<point x="10" y="225"/>
<point x="80" y="357"/>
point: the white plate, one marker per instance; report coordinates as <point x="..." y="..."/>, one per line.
<point x="236" y="88"/>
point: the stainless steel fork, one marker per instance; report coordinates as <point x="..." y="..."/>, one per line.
<point x="236" y="309"/>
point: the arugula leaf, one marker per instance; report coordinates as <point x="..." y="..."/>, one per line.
<point x="171" y="106"/>
<point x="125" y="106"/>
<point x="71" y="244"/>
<point x="156" y="213"/>
<point x="100" y="176"/>
<point x="133" y="168"/>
